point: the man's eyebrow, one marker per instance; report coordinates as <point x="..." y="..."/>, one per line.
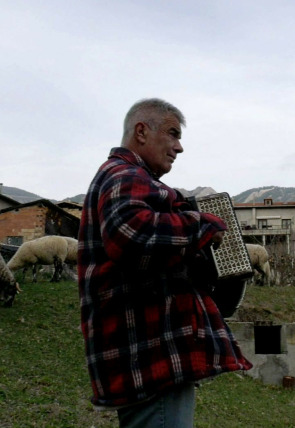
<point x="176" y="130"/>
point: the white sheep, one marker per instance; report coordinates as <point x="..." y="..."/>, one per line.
<point x="48" y="250"/>
<point x="260" y="261"/>
<point x="71" y="259"/>
<point x="8" y="285"/>
<point x="72" y="254"/>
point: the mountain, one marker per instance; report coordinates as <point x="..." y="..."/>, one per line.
<point x="22" y="196"/>
<point x="19" y="195"/>
<point x="198" y="191"/>
<point x="258" y="194"/>
<point x="78" y="199"/>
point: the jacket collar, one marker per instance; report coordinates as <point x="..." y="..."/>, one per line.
<point x="131" y="158"/>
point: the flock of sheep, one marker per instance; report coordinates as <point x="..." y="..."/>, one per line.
<point x="48" y="250"/>
<point x="58" y="250"/>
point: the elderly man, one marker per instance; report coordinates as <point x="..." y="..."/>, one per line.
<point x="151" y="329"/>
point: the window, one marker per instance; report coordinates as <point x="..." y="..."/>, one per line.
<point x="14" y="240"/>
<point x="268" y="201"/>
<point x="267" y="339"/>
<point x="262" y="224"/>
<point x="286" y="223"/>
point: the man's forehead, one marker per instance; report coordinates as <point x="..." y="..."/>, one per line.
<point x="171" y="121"/>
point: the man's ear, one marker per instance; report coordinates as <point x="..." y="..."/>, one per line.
<point x="140" y="132"/>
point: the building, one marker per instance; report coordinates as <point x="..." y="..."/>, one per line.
<point x="270" y="347"/>
<point x="6" y="202"/>
<point x="32" y="220"/>
<point x="268" y="223"/>
<point x="71" y="207"/>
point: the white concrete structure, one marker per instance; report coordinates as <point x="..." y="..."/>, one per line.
<point x="270" y="348"/>
<point x="268" y="221"/>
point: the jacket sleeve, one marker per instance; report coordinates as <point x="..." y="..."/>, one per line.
<point x="138" y="217"/>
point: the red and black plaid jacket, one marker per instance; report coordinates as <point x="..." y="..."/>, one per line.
<point x="145" y="323"/>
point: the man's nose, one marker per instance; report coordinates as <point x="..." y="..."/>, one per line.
<point x="178" y="147"/>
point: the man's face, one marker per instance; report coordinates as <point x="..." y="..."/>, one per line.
<point x="162" y="145"/>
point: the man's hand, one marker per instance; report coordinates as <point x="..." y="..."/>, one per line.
<point x="217" y="239"/>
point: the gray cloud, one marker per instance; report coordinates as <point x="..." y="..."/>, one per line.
<point x="68" y="74"/>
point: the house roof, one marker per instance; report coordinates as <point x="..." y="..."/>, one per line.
<point x="263" y="205"/>
<point x="68" y="204"/>
<point x="42" y="202"/>
<point x="8" y="200"/>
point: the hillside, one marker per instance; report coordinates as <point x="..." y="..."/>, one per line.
<point x="19" y="195"/>
<point x="45" y="383"/>
<point x="78" y="199"/>
<point x="257" y="194"/>
<point x="198" y="191"/>
<point x="269" y="304"/>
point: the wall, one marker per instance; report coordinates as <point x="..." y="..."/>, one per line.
<point x="28" y="222"/>
<point x="6" y="203"/>
<point x="274" y="214"/>
<point x="270" y="368"/>
<point x="34" y="221"/>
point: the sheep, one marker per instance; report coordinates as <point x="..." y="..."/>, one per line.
<point x="260" y="261"/>
<point x="72" y="254"/>
<point x="8" y="285"/>
<point x="48" y="250"/>
<point x="72" y="258"/>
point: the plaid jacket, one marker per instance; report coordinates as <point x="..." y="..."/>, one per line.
<point x="146" y="324"/>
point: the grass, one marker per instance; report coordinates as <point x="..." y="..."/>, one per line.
<point x="44" y="382"/>
<point x="235" y="400"/>
<point x="275" y="304"/>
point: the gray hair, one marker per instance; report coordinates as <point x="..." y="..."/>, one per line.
<point x="151" y="111"/>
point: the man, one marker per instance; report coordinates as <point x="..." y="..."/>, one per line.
<point x="151" y="330"/>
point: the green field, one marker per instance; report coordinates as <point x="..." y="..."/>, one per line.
<point x="44" y="380"/>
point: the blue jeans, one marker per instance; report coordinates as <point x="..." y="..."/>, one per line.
<point x="173" y="409"/>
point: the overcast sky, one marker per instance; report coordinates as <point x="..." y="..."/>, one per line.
<point x="70" y="70"/>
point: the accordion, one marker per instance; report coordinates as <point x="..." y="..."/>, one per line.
<point x="230" y="262"/>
